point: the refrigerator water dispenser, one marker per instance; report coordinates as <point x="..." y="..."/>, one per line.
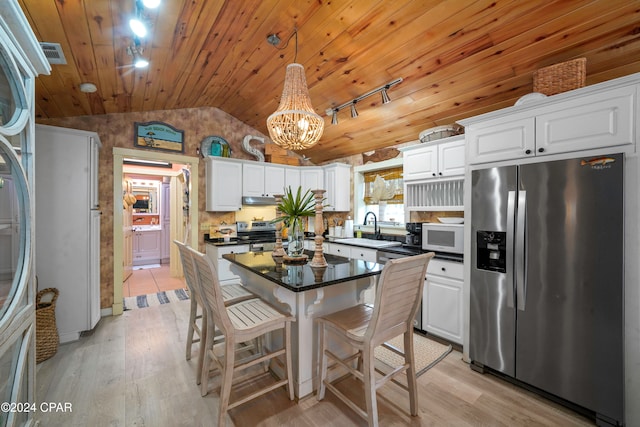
<point x="492" y="251"/>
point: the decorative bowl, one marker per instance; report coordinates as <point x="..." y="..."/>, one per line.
<point x="451" y="220"/>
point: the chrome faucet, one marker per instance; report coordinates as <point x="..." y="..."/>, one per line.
<point x="376" y="230"/>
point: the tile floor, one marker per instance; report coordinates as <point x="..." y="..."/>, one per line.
<point x="145" y="281"/>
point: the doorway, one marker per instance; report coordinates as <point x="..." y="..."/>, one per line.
<point x="151" y="189"/>
<point x="189" y="233"/>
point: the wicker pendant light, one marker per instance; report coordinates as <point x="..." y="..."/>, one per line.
<point x="295" y="125"/>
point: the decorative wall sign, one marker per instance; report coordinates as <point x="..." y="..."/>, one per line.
<point x="158" y="136"/>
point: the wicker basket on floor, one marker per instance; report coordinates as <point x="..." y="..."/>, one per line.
<point x="47" y="338"/>
<point x="560" y="77"/>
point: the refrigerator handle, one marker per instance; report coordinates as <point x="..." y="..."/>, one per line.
<point x="511" y="214"/>
<point x="521" y="255"/>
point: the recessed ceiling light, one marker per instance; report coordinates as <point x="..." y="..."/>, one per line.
<point x="88" y="87"/>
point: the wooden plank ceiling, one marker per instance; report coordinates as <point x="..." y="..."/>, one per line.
<point x="458" y="58"/>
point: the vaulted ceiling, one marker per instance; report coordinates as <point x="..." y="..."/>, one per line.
<point x="457" y="58"/>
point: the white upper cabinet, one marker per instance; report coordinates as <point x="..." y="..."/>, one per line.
<point x="590" y="122"/>
<point x="337" y="182"/>
<point x="224" y="184"/>
<point x="584" y="119"/>
<point x="291" y="178"/>
<point x="311" y="178"/>
<point x="420" y="163"/>
<point x="274" y="179"/>
<point x="444" y="158"/>
<point x="261" y="180"/>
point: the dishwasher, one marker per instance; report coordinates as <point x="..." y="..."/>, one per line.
<point x="383" y="256"/>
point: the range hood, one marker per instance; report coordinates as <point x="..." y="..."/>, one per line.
<point x="259" y="201"/>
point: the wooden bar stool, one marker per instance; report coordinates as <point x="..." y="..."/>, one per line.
<point x="234" y="293"/>
<point x="240" y="322"/>
<point x="398" y="297"/>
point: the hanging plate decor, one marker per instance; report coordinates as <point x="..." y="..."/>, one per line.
<point x="215" y="146"/>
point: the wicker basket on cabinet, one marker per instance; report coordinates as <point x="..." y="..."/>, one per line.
<point x="560" y="77"/>
<point x="47" y="338"/>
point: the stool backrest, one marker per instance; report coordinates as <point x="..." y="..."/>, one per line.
<point x="189" y="270"/>
<point x="398" y="296"/>
<point x="211" y="292"/>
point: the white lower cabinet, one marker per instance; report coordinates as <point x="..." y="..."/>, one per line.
<point x="365" y="254"/>
<point x="310" y="245"/>
<point x="355" y="252"/>
<point x="146" y="247"/>
<point x="442" y="300"/>
<point x="225" y="275"/>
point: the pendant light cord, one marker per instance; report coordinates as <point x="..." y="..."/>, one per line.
<point x="295" y="33"/>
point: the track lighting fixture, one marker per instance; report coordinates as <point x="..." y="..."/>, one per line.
<point x="385" y="95"/>
<point x="334" y="117"/>
<point x="135" y="50"/>
<point x="354" y="112"/>
<point x="151" y="4"/>
<point x="352" y="104"/>
<point x="139" y="28"/>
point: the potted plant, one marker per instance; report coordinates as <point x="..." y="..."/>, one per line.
<point x="293" y="208"/>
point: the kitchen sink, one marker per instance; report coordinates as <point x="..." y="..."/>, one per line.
<point x="369" y="243"/>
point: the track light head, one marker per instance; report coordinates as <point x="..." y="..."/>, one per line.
<point x="385" y="95"/>
<point x="354" y="112"/>
<point x="334" y="117"/>
<point x="138" y="27"/>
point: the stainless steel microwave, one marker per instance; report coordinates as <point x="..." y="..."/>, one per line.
<point x="443" y="237"/>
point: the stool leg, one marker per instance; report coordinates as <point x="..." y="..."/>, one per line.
<point x="191" y="331"/>
<point x="202" y="347"/>
<point x="206" y="361"/>
<point x="287" y="343"/>
<point x="370" y="386"/>
<point x="411" y="372"/>
<point x="323" y="362"/>
<point x="227" y="378"/>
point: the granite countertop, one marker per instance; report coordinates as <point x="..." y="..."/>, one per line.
<point x="298" y="278"/>
<point x="408" y="251"/>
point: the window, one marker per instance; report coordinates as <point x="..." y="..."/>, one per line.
<point x="379" y="189"/>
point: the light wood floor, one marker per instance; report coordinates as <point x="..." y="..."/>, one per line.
<point x="150" y="281"/>
<point x="132" y="372"/>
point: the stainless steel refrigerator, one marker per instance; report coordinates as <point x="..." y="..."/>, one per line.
<point x="547" y="278"/>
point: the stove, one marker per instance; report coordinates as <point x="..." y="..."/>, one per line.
<point x="256" y="231"/>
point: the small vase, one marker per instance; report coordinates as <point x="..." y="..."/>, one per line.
<point x="296" y="239"/>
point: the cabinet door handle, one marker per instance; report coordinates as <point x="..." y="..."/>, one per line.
<point x="433" y="174"/>
<point x="444" y="269"/>
<point x="540" y="150"/>
<point x="527" y="152"/>
<point x="440" y="173"/>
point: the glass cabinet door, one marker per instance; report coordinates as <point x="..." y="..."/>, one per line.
<point x="12" y="225"/>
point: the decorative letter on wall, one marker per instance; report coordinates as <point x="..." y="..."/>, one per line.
<point x="158" y="136"/>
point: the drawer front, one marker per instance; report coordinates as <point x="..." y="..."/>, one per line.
<point x="340" y="250"/>
<point x="453" y="270"/>
<point x="363" y="254"/>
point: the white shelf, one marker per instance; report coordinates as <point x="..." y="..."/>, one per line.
<point x="435" y="195"/>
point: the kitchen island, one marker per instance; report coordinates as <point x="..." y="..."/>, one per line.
<point x="306" y="292"/>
